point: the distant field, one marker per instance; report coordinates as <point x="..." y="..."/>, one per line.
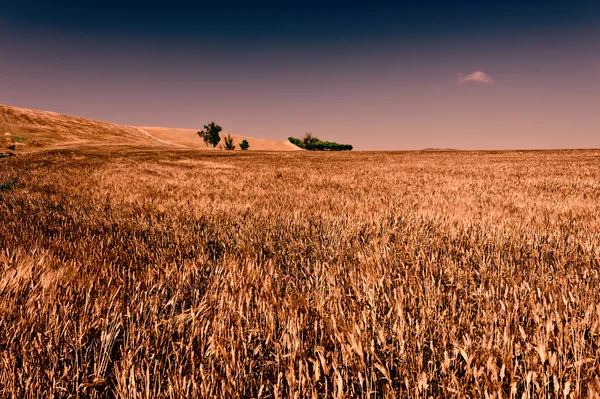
<point x="146" y="272"/>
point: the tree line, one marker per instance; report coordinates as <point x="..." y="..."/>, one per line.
<point x="312" y="143"/>
<point x="211" y="136"/>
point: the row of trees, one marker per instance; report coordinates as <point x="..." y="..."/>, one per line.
<point x="211" y="136"/>
<point x="310" y="142"/>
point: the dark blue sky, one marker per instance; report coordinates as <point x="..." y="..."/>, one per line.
<point x="306" y="21"/>
<point x="274" y="69"/>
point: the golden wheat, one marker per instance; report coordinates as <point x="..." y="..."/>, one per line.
<point x="143" y="273"/>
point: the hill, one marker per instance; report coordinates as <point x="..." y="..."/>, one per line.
<point x="188" y="138"/>
<point x="26" y="130"/>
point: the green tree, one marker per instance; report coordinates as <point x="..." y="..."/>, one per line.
<point x="244" y="145"/>
<point x="309" y="140"/>
<point x="296" y="142"/>
<point x="210" y="134"/>
<point x="229" y="142"/>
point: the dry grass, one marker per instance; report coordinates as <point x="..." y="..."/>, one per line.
<point x="141" y="274"/>
<point x="42" y="130"/>
<point x="26" y="130"/>
<point x="188" y="138"/>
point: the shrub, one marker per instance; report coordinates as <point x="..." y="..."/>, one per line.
<point x="244" y="145"/>
<point x="309" y="141"/>
<point x="229" y="143"/>
<point x="297" y="142"/>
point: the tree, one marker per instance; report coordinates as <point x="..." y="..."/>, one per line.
<point x="244" y="145"/>
<point x="229" y="143"/>
<point x="210" y="134"/>
<point x="310" y="141"/>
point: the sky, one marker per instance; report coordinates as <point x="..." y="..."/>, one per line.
<point x="379" y="75"/>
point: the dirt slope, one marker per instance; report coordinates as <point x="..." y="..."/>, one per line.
<point x="26" y="130"/>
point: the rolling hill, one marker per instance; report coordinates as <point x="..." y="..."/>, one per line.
<point x="26" y="130"/>
<point x="187" y="138"/>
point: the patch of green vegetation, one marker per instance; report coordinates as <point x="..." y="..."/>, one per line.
<point x="229" y="142"/>
<point x="18" y="139"/>
<point x="314" y="144"/>
<point x="210" y="134"/>
<point x="297" y="142"/>
<point x="9" y="184"/>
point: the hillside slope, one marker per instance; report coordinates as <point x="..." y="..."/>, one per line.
<point x="189" y="138"/>
<point x="26" y="130"/>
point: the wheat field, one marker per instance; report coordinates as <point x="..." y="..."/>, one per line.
<point x="135" y="272"/>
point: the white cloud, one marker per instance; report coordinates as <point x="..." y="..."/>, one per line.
<point x="475" y="77"/>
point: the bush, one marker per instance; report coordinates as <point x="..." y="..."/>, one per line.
<point x="297" y="142"/>
<point x="244" y="145"/>
<point x="314" y="144"/>
<point x="309" y="141"/>
<point x="210" y="134"/>
<point x="229" y="143"/>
